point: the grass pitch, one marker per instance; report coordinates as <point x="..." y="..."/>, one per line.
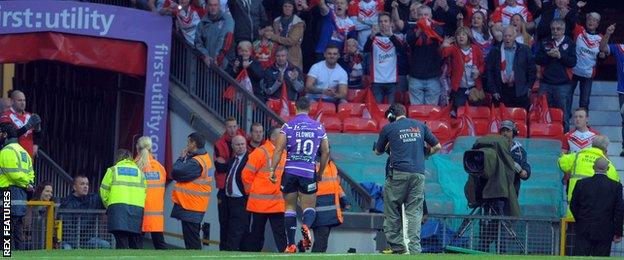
<point x="188" y="254"/>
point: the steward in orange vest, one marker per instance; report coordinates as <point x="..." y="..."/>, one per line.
<point x="265" y="200"/>
<point x="330" y="200"/>
<point x="191" y="191"/>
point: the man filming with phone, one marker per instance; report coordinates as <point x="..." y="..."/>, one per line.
<point x="405" y="183"/>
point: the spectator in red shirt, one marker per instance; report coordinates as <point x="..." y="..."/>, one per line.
<point x="28" y="125"/>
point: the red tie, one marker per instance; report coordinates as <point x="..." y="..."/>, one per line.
<point x="231" y="179"/>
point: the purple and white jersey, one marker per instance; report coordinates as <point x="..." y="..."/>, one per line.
<point x="303" y="138"/>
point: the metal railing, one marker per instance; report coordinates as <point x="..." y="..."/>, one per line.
<point x="568" y="237"/>
<point x="206" y="84"/>
<point x="84" y="229"/>
<point x="38" y="225"/>
<point x="48" y="170"/>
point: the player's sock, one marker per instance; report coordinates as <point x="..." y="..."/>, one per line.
<point x="290" y="223"/>
<point x="309" y="215"/>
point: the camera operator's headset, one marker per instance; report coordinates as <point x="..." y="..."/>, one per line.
<point x="511" y="126"/>
<point x="391" y="114"/>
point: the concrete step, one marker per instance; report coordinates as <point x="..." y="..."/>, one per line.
<point x="596" y="103"/>
<point x="613" y="132"/>
<point x="614" y="148"/>
<point x="603" y="88"/>
<point x="618" y="162"/>
<point x="605" y="118"/>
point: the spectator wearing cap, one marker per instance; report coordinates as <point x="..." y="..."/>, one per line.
<point x="510" y="71"/>
<point x="598" y="210"/>
<point x="509" y="130"/>
<point x="557" y="56"/>
<point x="288" y="32"/>
<point x="214" y="34"/>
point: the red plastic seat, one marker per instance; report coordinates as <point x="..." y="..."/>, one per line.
<point x="356" y="95"/>
<point x="482" y="126"/>
<point x="549" y="131"/>
<point x="383" y="108"/>
<point x="327" y="108"/>
<point x="332" y="124"/>
<point x="517" y="114"/>
<point x="359" y="125"/>
<point x="556" y="115"/>
<point x="475" y="112"/>
<point x="350" y="110"/>
<point x="441" y="129"/>
<point x="522" y="130"/>
<point x="423" y="112"/>
<point x="381" y="123"/>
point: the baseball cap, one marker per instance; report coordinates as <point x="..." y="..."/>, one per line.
<point x="507" y="124"/>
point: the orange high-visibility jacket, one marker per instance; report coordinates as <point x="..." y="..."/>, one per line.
<point x="155" y="176"/>
<point x="328" y="212"/>
<point x="264" y="196"/>
<point x="195" y="195"/>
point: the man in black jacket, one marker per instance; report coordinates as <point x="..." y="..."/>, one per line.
<point x="249" y="16"/>
<point x="510" y="71"/>
<point x="281" y="72"/>
<point x="238" y="221"/>
<point x="557" y="56"/>
<point x="557" y="9"/>
<point x="598" y="208"/>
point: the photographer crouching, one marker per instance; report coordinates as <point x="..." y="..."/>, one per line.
<point x="405" y="181"/>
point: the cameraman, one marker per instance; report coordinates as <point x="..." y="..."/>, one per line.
<point x="405" y="182"/>
<point x="509" y="130"/>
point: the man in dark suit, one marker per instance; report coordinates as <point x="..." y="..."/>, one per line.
<point x="598" y="208"/>
<point x="235" y="198"/>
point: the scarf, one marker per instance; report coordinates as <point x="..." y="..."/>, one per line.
<point x="507" y="78"/>
<point x="426" y="26"/>
<point x="285" y="23"/>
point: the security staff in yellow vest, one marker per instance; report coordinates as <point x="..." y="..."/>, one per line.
<point x="123" y="194"/>
<point x="16" y="176"/>
<point x="581" y="165"/>
<point x="191" y="192"/>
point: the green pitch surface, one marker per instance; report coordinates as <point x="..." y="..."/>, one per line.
<point x="187" y="254"/>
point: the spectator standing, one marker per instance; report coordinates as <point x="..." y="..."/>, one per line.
<point x="557" y="56"/>
<point x="288" y="32"/>
<point x="470" y="8"/>
<point x="264" y="48"/>
<point x="587" y="40"/>
<point x="238" y="217"/>
<point x="214" y="34"/>
<point x="405" y="184"/>
<point x="599" y="211"/>
<point x="222" y="154"/>
<point x="123" y="192"/>
<point x="353" y="62"/>
<point x="265" y="201"/>
<point x="558" y="9"/>
<point x="330" y="202"/>
<point x="364" y="14"/>
<point x="503" y="13"/>
<point x="245" y="61"/>
<point x="187" y="17"/>
<point x="481" y="33"/>
<point x="81" y="199"/>
<point x="401" y="10"/>
<point x="580" y="165"/>
<point x="17" y="177"/>
<point x="617" y="50"/>
<point x="283" y="72"/>
<point x="511" y="71"/>
<point x="337" y="27"/>
<point x="27" y="125"/>
<point x="522" y="33"/>
<point x="383" y="48"/>
<point x="466" y="66"/>
<point x="581" y="136"/>
<point x="425" y="62"/>
<point x="256" y="138"/>
<point x="155" y="177"/>
<point x="326" y="80"/>
<point x="446" y="12"/>
<point x="35" y="218"/>
<point x="191" y="192"/>
<point x="249" y="16"/>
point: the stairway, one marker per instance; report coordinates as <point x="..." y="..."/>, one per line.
<point x="604" y="116"/>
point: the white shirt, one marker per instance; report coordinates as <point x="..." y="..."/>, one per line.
<point x="368" y="13"/>
<point x="510" y="11"/>
<point x="384" y="60"/>
<point x="327" y="78"/>
<point x="236" y="192"/>
<point x="587" y="49"/>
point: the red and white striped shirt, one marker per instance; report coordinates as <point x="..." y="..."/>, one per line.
<point x="575" y="140"/>
<point x="384" y="60"/>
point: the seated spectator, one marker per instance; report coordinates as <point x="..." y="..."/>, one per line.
<point x="581" y="136"/>
<point x="587" y="40"/>
<point x="283" y="72"/>
<point x="249" y="16"/>
<point x="510" y="71"/>
<point x="383" y="48"/>
<point x="214" y="34"/>
<point x="187" y="17"/>
<point x="503" y="13"/>
<point x="557" y="56"/>
<point x="337" y="27"/>
<point x="522" y="34"/>
<point x="327" y="81"/>
<point x="425" y="61"/>
<point x="353" y="63"/>
<point x="264" y="49"/>
<point x="558" y="9"/>
<point x="481" y="32"/>
<point x="254" y="70"/>
<point x="364" y="14"/>
<point x="446" y="12"/>
<point x="466" y="66"/>
<point x="81" y="199"/>
<point x="288" y="32"/>
<point x="36" y="216"/>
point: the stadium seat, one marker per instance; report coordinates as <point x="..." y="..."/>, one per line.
<point x="423" y="112"/>
<point x="522" y="129"/>
<point x="441" y="129"/>
<point x="356" y="95"/>
<point x="359" y="125"/>
<point x="332" y="124"/>
<point x="482" y="126"/>
<point x="548" y="131"/>
<point x="383" y="108"/>
<point x="327" y="108"/>
<point x="350" y="110"/>
<point x="381" y="123"/>
<point x="556" y="115"/>
<point x="516" y="114"/>
<point x="475" y="112"/>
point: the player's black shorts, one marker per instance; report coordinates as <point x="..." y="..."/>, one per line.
<point x="294" y="183"/>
